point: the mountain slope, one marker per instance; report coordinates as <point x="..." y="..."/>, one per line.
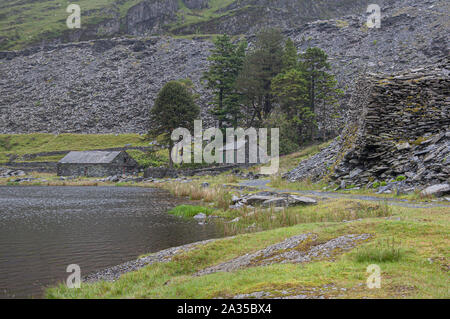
<point x="24" y="23"/>
<point x="105" y="86"/>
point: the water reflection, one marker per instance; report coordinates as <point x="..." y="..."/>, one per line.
<point x="44" y="229"/>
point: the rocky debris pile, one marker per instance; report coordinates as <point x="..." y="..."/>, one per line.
<point x="270" y="199"/>
<point x="107" y="86"/>
<point x="399" y="134"/>
<point x="297" y="249"/>
<point x="99" y="86"/>
<point x="316" y="166"/>
<point x="166" y="255"/>
<point x="5" y="173"/>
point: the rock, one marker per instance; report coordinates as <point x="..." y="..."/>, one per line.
<point x="235" y="220"/>
<point x="20" y="173"/>
<point x="436" y="190"/>
<point x="275" y="202"/>
<point x="257" y="199"/>
<point x="294" y="200"/>
<point x="355" y="172"/>
<point x="200" y="216"/>
<point x="235" y="199"/>
<point x="403" y="146"/>
<point x="205" y="185"/>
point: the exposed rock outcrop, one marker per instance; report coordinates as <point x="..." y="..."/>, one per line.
<point x="149" y="17"/>
<point x="399" y="131"/>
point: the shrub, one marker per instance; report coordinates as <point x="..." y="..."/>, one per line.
<point x="400" y="178"/>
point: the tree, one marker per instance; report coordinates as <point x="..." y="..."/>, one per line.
<point x="174" y="107"/>
<point x="261" y="65"/>
<point x="290" y="56"/>
<point x="321" y="84"/>
<point x="291" y="89"/>
<point x="226" y="63"/>
<point x="322" y="90"/>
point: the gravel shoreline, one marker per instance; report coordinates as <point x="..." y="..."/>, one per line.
<point x="113" y="273"/>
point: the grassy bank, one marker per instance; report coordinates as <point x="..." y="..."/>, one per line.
<point x="419" y="271"/>
<point x="20" y="144"/>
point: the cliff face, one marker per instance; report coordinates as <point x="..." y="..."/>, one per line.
<point x="250" y="16"/>
<point x="399" y="130"/>
<point x="149" y="17"/>
<point x="105" y="86"/>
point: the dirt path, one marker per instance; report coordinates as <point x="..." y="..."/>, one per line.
<point x="262" y="184"/>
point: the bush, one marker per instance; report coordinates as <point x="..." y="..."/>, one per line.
<point x="400" y="178"/>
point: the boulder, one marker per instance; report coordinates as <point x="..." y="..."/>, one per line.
<point x="275" y="202"/>
<point x="294" y="200"/>
<point x="436" y="190"/>
<point x="257" y="199"/>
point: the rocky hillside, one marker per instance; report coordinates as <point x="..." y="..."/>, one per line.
<point x="399" y="131"/>
<point x="44" y="21"/>
<point x="103" y="86"/>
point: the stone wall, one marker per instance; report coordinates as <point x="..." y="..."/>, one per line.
<point x="41" y="167"/>
<point x="161" y="172"/>
<point x="93" y="170"/>
<point x="399" y="130"/>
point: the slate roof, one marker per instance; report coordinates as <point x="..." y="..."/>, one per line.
<point x="90" y="157"/>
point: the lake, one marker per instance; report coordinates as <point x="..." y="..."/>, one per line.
<point x="45" y="229"/>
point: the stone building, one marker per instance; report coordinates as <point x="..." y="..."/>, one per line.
<point x="242" y="147"/>
<point x="97" y="164"/>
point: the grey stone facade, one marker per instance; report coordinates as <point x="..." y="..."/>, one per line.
<point x="96" y="164"/>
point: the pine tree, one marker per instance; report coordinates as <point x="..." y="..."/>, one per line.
<point x="321" y="84"/>
<point x="291" y="89"/>
<point x="322" y="90"/>
<point x="174" y="107"/>
<point x="261" y="65"/>
<point x="290" y="57"/>
<point x="226" y="62"/>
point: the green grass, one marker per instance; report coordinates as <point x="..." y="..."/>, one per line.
<point x="411" y="276"/>
<point x="190" y="211"/>
<point x="147" y="159"/>
<point x="23" y="23"/>
<point x="187" y="16"/>
<point x="387" y="250"/>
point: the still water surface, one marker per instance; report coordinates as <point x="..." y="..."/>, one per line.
<point x="44" y="229"/>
